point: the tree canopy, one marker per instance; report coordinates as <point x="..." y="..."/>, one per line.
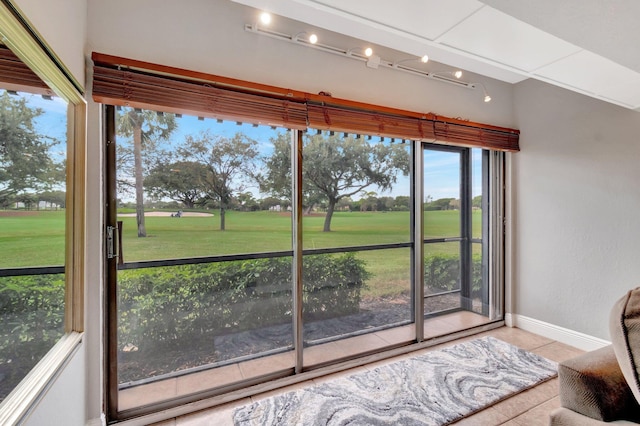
<point x="178" y="181"/>
<point x="145" y="128"/>
<point x="25" y="160"/>
<point x="228" y="164"/>
<point x="334" y="167"/>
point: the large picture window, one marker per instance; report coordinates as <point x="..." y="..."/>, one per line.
<point x="42" y="128"/>
<point x="246" y="247"/>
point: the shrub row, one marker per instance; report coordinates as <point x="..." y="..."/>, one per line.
<point x="442" y="272"/>
<point x="188" y="305"/>
<point x="31" y="322"/>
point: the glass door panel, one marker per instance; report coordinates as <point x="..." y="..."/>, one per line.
<point x="442" y="205"/>
<point x="357" y="292"/>
<point x="204" y="280"/>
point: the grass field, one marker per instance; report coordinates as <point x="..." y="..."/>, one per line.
<point x="38" y="239"/>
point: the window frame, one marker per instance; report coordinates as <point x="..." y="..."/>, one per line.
<point x="24" y="41"/>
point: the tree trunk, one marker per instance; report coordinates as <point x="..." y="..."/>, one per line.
<point x="222" y="225"/>
<point x="137" y="161"/>
<point x="327" y="218"/>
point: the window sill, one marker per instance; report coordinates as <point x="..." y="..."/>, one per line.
<point x="23" y="398"/>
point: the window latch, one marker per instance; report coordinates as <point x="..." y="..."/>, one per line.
<point x="114" y="232"/>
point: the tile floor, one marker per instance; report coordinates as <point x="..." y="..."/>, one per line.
<point x="529" y="408"/>
<point x="166" y="389"/>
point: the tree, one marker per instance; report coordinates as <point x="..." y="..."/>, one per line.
<point x="146" y="128"/>
<point x="25" y="161"/>
<point x="402" y="202"/>
<point x="335" y="168"/>
<point x="57" y="198"/>
<point x="476" y="202"/>
<point x="177" y="181"/>
<point x="229" y="164"/>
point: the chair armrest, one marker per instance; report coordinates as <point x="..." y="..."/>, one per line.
<point x="592" y="384"/>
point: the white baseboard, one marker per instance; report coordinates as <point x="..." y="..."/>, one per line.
<point x="551" y="331"/>
<point x="100" y="421"/>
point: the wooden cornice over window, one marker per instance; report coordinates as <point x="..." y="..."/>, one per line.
<point x="469" y="135"/>
<point x="128" y="82"/>
<point x="325" y="117"/>
<point x="127" y="87"/>
<point x="15" y="75"/>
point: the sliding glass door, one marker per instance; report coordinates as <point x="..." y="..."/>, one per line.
<point x="201" y="283"/>
<point x="357" y="259"/>
<point x="241" y="253"/>
<point x="456" y="231"/>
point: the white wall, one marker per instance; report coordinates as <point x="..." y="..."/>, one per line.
<point x="576" y="199"/>
<point x="62" y="24"/>
<point x="209" y="36"/>
<point x="61" y="403"/>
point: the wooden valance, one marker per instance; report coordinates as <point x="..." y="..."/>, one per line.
<point x="15" y="75"/>
<point x="128" y="82"/>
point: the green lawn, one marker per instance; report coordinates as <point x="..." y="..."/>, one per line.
<point x="38" y="239"/>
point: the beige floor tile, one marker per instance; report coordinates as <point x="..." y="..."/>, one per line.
<point x="361" y="344"/>
<point x="487" y="417"/>
<point x="464" y="319"/>
<point x="522" y="402"/>
<point x="530" y="408"/>
<point x="267" y="364"/>
<point x="208" y="379"/>
<point x="538" y="416"/>
<point x="520" y="338"/>
<point x="393" y="336"/>
<point x="322" y="353"/>
<point x="146" y="394"/>
<point x="218" y="416"/>
<point x="557" y="351"/>
<point x="436" y="327"/>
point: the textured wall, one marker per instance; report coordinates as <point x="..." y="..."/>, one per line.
<point x="62" y="24"/>
<point x="209" y="36"/>
<point x="576" y="200"/>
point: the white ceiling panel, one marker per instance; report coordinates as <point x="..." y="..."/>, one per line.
<point x="427" y="18"/>
<point x="589" y="46"/>
<point x="592" y="74"/>
<point x="496" y="36"/>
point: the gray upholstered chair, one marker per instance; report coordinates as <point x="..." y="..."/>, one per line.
<point x="603" y="386"/>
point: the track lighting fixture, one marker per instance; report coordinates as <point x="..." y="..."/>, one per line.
<point x="265" y="18"/>
<point x="366" y="55"/>
<point x="487" y="97"/>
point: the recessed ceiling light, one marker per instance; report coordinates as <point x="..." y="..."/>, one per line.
<point x="265" y="18"/>
<point x="424" y="59"/>
<point x="458" y="74"/>
<point x="368" y="51"/>
<point x="313" y="39"/>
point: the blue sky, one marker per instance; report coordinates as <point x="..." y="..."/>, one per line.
<point x="441" y="172"/>
<point x="52" y="122"/>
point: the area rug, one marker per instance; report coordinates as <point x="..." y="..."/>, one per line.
<point x="436" y="388"/>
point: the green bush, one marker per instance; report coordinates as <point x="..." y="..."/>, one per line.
<point x="442" y="272"/>
<point x="31" y="322"/>
<point x="189" y="305"/>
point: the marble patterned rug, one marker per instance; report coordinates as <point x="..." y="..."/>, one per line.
<point x="435" y="388"/>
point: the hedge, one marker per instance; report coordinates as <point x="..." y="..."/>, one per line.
<point x="442" y="272"/>
<point x="31" y="322"/>
<point x="188" y="305"/>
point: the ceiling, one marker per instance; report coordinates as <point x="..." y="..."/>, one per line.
<point x="588" y="46"/>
